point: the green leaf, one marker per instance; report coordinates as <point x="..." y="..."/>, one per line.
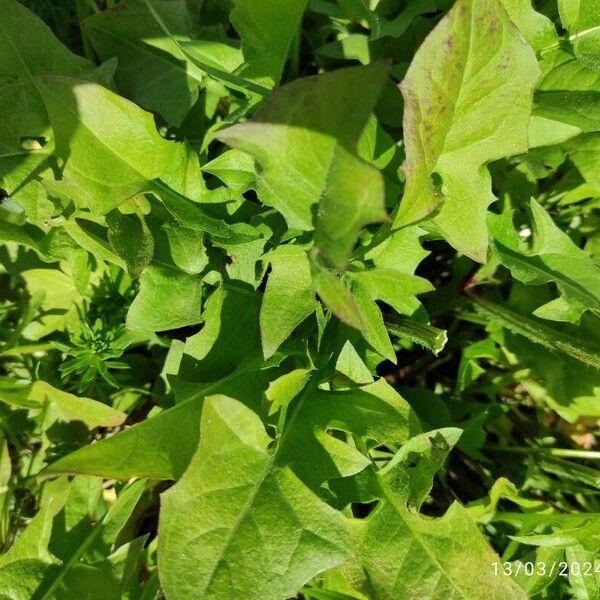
<point x="401" y="250"/>
<point x="577" y="108"/>
<point x="289" y="297"/>
<point x="190" y="214"/>
<point x="28" y="48"/>
<point x="588" y="535"/>
<point x="567" y="385"/>
<point x="586" y="352"/>
<point x="289" y="136"/>
<point x="26" y="563"/>
<point x="402" y="554"/>
<point x="370" y="412"/>
<point x="350" y="364"/>
<point x="157" y="448"/>
<point x="229" y="338"/>
<point x="569" y="91"/>
<point x="168" y="299"/>
<point x="374" y="331"/>
<point x="393" y="287"/>
<point x="336" y="296"/>
<point x="552" y="257"/>
<point x="59" y="296"/>
<point x="23" y="142"/>
<point x="19" y="234"/>
<point x="473" y="65"/>
<point x="285" y="388"/>
<point x="358" y="200"/>
<point x="239" y="524"/>
<point x="150" y="59"/>
<point x="397" y="26"/>
<point x="585" y="585"/>
<point x="536" y="28"/>
<point x="98" y="541"/>
<point x="582" y="20"/>
<point x="68" y="407"/>
<point x="585" y="153"/>
<point x="131" y="239"/>
<point x="235" y="168"/>
<point x="94" y="128"/>
<point x="267" y="29"/>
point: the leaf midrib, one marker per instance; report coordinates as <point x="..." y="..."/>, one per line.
<point x="522" y="260"/>
<point x="66" y="108"/>
<point x="268" y="469"/>
<point x="400" y="510"/>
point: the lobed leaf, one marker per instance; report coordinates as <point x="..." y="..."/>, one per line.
<point x="473" y="65"/>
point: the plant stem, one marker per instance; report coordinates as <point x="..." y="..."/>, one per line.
<point x="562" y="452"/>
<point x="537" y="332"/>
<point x="430" y="337"/>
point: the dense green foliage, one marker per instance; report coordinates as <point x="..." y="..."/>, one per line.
<point x="299" y="298"/>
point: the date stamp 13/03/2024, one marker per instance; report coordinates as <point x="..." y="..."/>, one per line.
<point x="547" y="569"/>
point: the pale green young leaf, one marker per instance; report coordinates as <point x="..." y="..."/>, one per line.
<point x="289" y="297"/>
<point x="285" y="388"/>
<point x="473" y="65"/>
<point x="239" y="524"/>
